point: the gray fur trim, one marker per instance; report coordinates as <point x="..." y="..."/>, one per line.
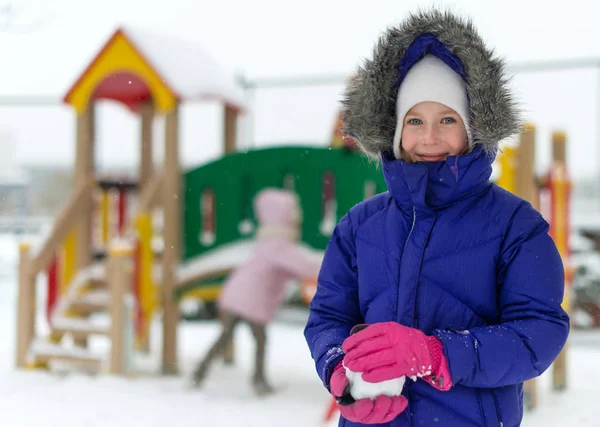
<point x="369" y="101"/>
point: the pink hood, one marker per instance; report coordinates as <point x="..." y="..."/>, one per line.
<point x="277" y="212"/>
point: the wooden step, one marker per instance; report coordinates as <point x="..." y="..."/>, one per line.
<point x="96" y="284"/>
<point x="78" y="328"/>
<point x="94" y="301"/>
<point x="92" y="277"/>
<point x="43" y="352"/>
<point x="96" y="277"/>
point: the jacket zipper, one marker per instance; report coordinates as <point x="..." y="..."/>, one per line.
<point x="481" y="407"/>
<point x="415" y="314"/>
<point x="411" y="230"/>
<point x="500" y="423"/>
<point x="408" y="237"/>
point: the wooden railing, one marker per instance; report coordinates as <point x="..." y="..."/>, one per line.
<point x="66" y="219"/>
<point x="150" y="193"/>
<point x="31" y="263"/>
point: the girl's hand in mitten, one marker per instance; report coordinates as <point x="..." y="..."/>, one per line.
<point x="338" y="383"/>
<point x="382" y="409"/>
<point x="384" y="351"/>
<point x="440" y="373"/>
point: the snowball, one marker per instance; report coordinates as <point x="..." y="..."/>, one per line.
<point x="361" y="389"/>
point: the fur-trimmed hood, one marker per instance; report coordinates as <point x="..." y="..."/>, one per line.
<point x="369" y="101"/>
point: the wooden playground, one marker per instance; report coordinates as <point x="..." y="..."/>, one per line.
<point x="102" y="255"/>
<point x="123" y="252"/>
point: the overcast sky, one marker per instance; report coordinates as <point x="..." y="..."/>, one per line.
<point x="51" y="42"/>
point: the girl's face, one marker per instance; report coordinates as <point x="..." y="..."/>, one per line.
<point x="432" y="131"/>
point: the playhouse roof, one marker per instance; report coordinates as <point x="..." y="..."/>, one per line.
<point x="135" y="65"/>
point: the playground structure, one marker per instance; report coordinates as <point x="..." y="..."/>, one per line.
<point x="123" y="251"/>
<point x="144" y="73"/>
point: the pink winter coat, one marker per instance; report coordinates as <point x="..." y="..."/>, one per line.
<point x="255" y="290"/>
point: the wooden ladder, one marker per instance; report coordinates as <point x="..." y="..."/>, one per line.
<point x="98" y="303"/>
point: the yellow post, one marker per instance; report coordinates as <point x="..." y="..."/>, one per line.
<point x="69" y="261"/>
<point x="508" y="168"/>
<point x="147" y="289"/>
<point x="68" y="267"/>
<point x="105" y="215"/>
<point x="560" y="196"/>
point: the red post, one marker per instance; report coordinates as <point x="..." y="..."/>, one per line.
<point x="52" y="288"/>
<point x="332" y="410"/>
<point x="122" y="210"/>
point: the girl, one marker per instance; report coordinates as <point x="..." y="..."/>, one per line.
<point x="458" y="281"/>
<point x="254" y="292"/>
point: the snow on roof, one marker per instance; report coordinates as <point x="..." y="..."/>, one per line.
<point x="186" y="67"/>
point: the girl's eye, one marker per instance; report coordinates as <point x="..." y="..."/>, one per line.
<point x="448" y="120"/>
<point x="414" y="122"/>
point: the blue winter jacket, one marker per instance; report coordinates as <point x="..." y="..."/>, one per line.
<point x="452" y="254"/>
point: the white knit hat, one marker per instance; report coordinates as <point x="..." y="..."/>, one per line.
<point x="430" y="79"/>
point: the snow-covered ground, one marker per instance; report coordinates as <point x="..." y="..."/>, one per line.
<point x="29" y="398"/>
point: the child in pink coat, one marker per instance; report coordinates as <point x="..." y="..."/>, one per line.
<point x="254" y="292"/>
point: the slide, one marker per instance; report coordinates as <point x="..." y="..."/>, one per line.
<point x="202" y="276"/>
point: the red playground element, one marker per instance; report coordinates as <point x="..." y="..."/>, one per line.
<point x="52" y="288"/>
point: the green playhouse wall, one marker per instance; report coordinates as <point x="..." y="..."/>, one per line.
<point x="236" y="178"/>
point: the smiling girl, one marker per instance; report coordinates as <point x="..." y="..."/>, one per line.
<point x="457" y="280"/>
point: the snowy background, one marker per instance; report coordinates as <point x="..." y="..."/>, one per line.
<point x="45" y="45"/>
<point x="49" y="43"/>
<point x="37" y="398"/>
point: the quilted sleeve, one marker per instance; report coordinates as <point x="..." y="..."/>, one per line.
<point x="533" y="327"/>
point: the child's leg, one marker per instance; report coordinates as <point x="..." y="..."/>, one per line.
<point x="229" y="322"/>
<point x="228" y="351"/>
<point x="261" y="386"/>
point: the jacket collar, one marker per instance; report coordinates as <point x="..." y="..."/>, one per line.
<point x="434" y="185"/>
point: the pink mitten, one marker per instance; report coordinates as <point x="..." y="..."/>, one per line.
<point x="338" y="381"/>
<point x="440" y="372"/>
<point x="384" y="351"/>
<point x="382" y="409"/>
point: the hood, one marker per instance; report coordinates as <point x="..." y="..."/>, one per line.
<point x="369" y="101"/>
